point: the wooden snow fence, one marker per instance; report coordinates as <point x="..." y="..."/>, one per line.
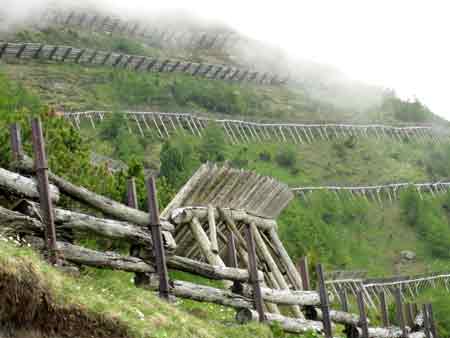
<point x="218" y="201"/>
<point x="161" y="35"/>
<point x="166" y="124"/>
<point x="221" y="225"/>
<point x="137" y="63"/>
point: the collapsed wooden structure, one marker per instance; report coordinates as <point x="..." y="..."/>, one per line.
<point x="165" y="124"/>
<point x="221" y="225"/>
<point x="137" y="63"/>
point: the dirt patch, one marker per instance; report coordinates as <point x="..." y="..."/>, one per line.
<point x="27" y="305"/>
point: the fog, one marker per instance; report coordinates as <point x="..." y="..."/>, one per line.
<point x="395" y="44"/>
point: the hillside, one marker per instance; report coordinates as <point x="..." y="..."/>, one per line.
<point x="342" y="233"/>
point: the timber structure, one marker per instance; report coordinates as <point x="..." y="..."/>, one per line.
<point x="160" y="36"/>
<point x="28" y="51"/>
<point x="377" y="193"/>
<point x="166" y="124"/>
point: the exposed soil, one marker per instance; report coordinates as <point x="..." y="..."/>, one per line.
<point x="27" y="309"/>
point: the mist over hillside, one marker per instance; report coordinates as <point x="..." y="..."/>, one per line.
<point x="321" y="82"/>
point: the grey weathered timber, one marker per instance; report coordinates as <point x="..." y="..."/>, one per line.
<point x="285" y="297"/>
<point x="324" y="303"/>
<point x="304" y="273"/>
<point x="266" y="256"/>
<point x="101" y="203"/>
<point x="41" y="167"/>
<point x="210" y="271"/>
<point x="186" y="214"/>
<point x="28" y="51"/>
<point x="292" y="325"/>
<point x="13" y="223"/>
<point x="109" y="260"/>
<point x="16" y="142"/>
<point x="158" y="246"/>
<point x="93" y="258"/>
<point x="67" y="220"/>
<point x="362" y="316"/>
<point x="204" y="244"/>
<point x="384" y="309"/>
<point x="22" y="187"/>
<point x="285" y="259"/>
<point x="204" y="293"/>
<point x="212" y="229"/>
<point x="338" y="317"/>
<point x="253" y="271"/>
<point x="399" y="310"/>
<point x="426" y="321"/>
<point x="433" y="328"/>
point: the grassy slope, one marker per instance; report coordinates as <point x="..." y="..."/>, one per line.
<point x="113" y="294"/>
<point x="374" y="246"/>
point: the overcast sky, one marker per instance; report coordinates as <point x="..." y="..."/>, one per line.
<point x="397" y="44"/>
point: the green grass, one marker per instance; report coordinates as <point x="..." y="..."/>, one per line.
<point x="114" y="295"/>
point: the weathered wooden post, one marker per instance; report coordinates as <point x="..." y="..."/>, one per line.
<point x="409" y="314"/>
<point x="41" y="167"/>
<point x="132" y="194"/>
<point x="324" y="303"/>
<point x="304" y="273"/>
<point x="362" y="315"/>
<point x="158" y="247"/>
<point x="232" y="260"/>
<point x="383" y="309"/>
<point x="400" y="314"/>
<point x="426" y="321"/>
<point x="253" y="272"/>
<point x="135" y="249"/>
<point x="16" y="142"/>
<point x="343" y="299"/>
<point x="431" y="321"/>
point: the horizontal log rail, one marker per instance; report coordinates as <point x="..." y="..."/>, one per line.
<point x="187" y="214"/>
<point x="141" y="64"/>
<point x="17" y="185"/>
<point x="166" y="124"/>
<point x="98" y="202"/>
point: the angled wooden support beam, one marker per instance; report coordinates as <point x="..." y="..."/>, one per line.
<point x="253" y="272"/>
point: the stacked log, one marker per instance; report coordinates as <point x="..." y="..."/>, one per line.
<point x="101" y="203"/>
<point x="22" y="187"/>
<point x="292" y="325"/>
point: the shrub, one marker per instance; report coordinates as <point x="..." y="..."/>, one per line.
<point x="265" y="156"/>
<point x="212" y="146"/>
<point x="286" y="158"/>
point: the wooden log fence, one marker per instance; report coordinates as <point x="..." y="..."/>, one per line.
<point x="159" y="36"/>
<point x="137" y="63"/>
<point x="166" y="124"/>
<point x="261" y="247"/>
